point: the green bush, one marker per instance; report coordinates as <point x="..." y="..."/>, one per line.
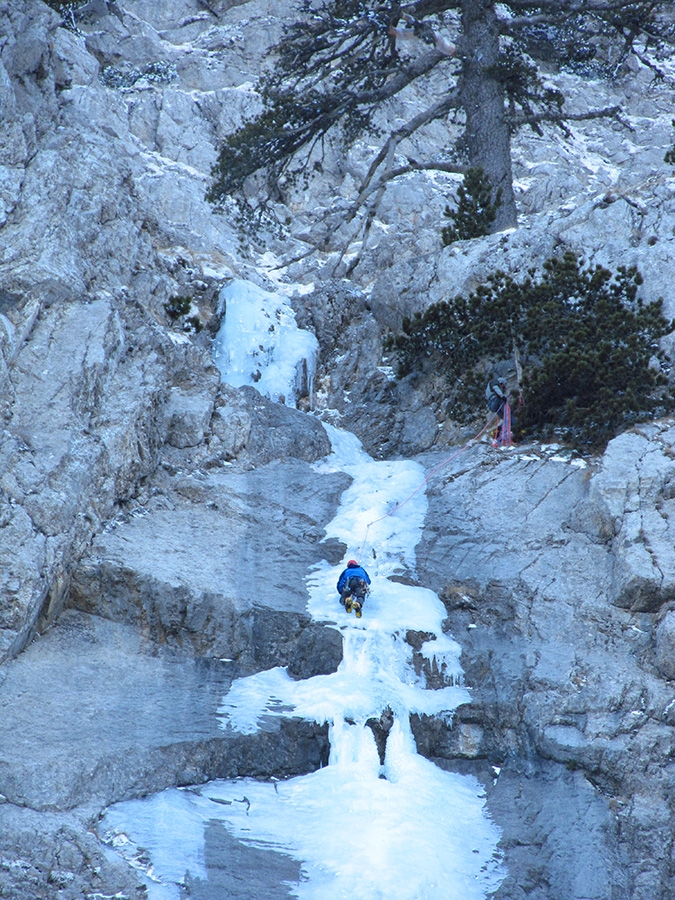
<point x="178" y="308"/>
<point x="159" y="72"/>
<point x="476" y="209"/>
<point x="68" y="9"/>
<point x="583" y="339"/>
<point x="65" y="7"/>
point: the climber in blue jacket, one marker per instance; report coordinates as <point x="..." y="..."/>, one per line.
<point x="353" y="586"/>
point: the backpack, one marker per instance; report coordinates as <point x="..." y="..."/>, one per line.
<point x="357" y="586"/>
<point x="495" y="403"/>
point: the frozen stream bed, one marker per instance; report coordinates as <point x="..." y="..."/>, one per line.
<point x="362" y="827"/>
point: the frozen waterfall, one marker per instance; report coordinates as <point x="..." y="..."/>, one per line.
<point x="260" y="344"/>
<point x="402" y="829"/>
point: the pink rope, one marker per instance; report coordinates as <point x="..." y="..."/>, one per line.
<point x="505" y="438"/>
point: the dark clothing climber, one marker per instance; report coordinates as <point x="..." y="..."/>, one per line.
<point x="496" y="396"/>
<point x="354" y="582"/>
<point x="498" y="402"/>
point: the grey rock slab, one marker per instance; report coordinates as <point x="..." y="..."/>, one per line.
<point x="526" y="550"/>
<point x="92" y="713"/>
<point x="239" y="871"/>
<point x="558" y="835"/>
<point x="665" y="646"/>
<point x="252" y="428"/>
<point x="80" y="430"/>
<point x="217" y="563"/>
<point x="633" y="488"/>
<point x="504" y="517"/>
<point x="188" y="417"/>
<point x="278" y="431"/>
<point x="56" y="855"/>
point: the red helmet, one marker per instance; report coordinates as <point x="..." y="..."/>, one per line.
<point x="352" y="563"/>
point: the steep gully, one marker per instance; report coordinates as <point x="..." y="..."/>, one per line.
<point x="379" y="820"/>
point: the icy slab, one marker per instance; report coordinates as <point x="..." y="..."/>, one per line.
<point x="418" y="834"/>
<point x="384" y="511"/>
<point x="259" y="344"/>
<point x="363" y="828"/>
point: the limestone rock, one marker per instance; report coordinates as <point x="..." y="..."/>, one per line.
<point x="68" y="458"/>
<point x="558" y="673"/>
<point x="278" y="431"/>
<point x="140" y="720"/>
<point x="665" y="646"/>
<point x="188" y="417"/>
<point x="211" y="558"/>
<point x="634" y="486"/>
<point x="185" y="515"/>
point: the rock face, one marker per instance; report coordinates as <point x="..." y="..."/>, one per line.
<point x="566" y="638"/>
<point x="157" y="526"/>
<point x="215" y="562"/>
<point x="102" y="716"/>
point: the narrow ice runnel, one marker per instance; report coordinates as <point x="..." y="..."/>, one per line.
<point x="401" y="830"/>
<point x="377" y="670"/>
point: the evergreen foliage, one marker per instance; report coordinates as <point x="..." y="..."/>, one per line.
<point x="325" y="75"/>
<point x="476" y="209"/>
<point x="68" y="9"/>
<point x="343" y="60"/>
<point x="65" y="7"/>
<point x="584" y="339"/>
<point x="524" y="87"/>
<point x="670" y="155"/>
<point x="178" y="310"/>
<point x="159" y="72"/>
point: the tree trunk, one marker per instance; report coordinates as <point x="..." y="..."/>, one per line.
<point x="487" y="137"/>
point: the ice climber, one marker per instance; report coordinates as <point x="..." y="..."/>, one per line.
<point x="353" y="586"/>
<point x="498" y="402"/>
<point x="495" y="394"/>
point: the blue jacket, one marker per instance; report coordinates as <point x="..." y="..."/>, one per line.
<point x="354" y="572"/>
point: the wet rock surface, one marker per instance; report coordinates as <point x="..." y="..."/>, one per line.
<point x="215" y="560"/>
<point x="235" y="870"/>
<point x="94" y="713"/>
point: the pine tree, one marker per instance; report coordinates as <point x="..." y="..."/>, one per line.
<point x="476" y="209"/>
<point x="344" y="60"/>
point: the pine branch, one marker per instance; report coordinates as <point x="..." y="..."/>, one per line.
<point x="437" y="111"/>
<point x="561" y="118"/>
<point x="576" y="7"/>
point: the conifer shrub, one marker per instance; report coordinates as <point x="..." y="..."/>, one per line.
<point x="476" y="208"/>
<point x="68" y="9"/>
<point x="586" y="344"/>
<point x="158" y="72"/>
<point x="178" y="310"/>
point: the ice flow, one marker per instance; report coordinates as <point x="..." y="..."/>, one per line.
<point x="260" y="344"/>
<point x="399" y="828"/>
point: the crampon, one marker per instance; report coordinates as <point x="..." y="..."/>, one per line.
<point x="352" y="603"/>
